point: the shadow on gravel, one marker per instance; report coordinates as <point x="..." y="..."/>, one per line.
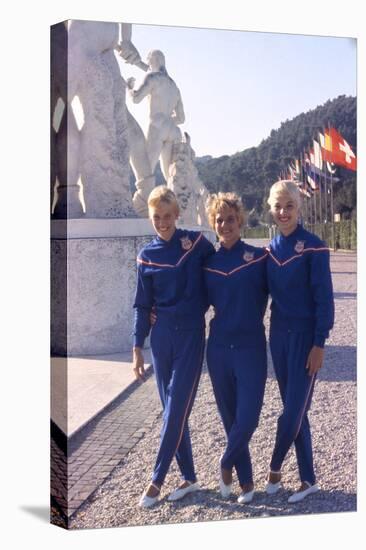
<point x="264" y="506"/>
<point x="340" y="364"/>
<point x="209" y="498"/>
<point x="322" y="502"/>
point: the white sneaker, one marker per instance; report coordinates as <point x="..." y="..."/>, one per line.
<point x="225" y="490"/>
<point x="183" y="491"/>
<point x="146" y="502"/>
<point x="272" y="488"/>
<point x="245" y="498"/>
<point x="299" y="495"/>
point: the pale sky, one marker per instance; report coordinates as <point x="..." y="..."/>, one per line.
<point x="237" y="86"/>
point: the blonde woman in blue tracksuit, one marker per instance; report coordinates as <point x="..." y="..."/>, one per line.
<point x="170" y="281"/>
<point x="236" y="281"/>
<point x="302" y="314"/>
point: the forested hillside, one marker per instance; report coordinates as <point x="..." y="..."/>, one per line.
<point x="251" y="172"/>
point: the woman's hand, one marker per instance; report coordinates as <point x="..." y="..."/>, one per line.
<point x="315" y="360"/>
<point x="138" y="364"/>
<point x="153" y="317"/>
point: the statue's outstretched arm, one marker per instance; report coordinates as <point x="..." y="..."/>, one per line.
<point x="127" y="50"/>
<point x="141" y="92"/>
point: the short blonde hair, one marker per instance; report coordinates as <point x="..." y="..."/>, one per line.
<point x="284" y="187"/>
<point x="162" y="193"/>
<point x="218" y="201"/>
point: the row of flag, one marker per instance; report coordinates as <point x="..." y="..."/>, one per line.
<point x="318" y="163"/>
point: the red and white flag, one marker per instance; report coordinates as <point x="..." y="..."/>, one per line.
<point x="336" y="149"/>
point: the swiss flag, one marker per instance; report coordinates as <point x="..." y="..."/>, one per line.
<point x="336" y="149"/>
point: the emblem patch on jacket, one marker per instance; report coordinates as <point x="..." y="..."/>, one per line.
<point x="248" y="256"/>
<point x="186" y="243"/>
<point x="299" y="246"/>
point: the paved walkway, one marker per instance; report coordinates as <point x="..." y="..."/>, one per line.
<point x="80" y="463"/>
<point x="90" y="383"/>
<point x="97" y="443"/>
<point x="102" y="402"/>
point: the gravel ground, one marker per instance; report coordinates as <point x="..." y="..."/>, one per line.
<point x="333" y="421"/>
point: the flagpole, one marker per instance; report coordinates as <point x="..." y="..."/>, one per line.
<point x="311" y="200"/>
<point x="303" y="175"/>
<point x="314" y="195"/>
<point x="326" y="192"/>
<point x="332" y="209"/>
<point x="325" y="189"/>
<point x="305" y="183"/>
<point x="304" y="188"/>
<point x="317" y="164"/>
<point x="325" y="199"/>
<point x="331" y="193"/>
<point x="321" y="194"/>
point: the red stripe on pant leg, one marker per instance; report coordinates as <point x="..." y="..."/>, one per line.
<point x="190" y="397"/>
<point x="305" y="405"/>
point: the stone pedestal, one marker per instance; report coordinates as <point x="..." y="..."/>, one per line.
<point x="93" y="282"/>
<point x="93" y="278"/>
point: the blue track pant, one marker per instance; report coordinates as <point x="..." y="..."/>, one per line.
<point x="290" y="351"/>
<point x="238" y="379"/>
<point x="177" y="360"/>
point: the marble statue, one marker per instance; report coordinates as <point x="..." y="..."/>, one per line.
<point x="184" y="181"/>
<point x="89" y="165"/>
<point x="93" y="157"/>
<point x="164" y="139"/>
<point x="139" y="158"/>
<point x="165" y="111"/>
<point x="65" y="172"/>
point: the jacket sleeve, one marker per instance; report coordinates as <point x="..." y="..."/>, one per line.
<point x="265" y="279"/>
<point x="322" y="288"/>
<point x="143" y="304"/>
<point x="207" y="250"/>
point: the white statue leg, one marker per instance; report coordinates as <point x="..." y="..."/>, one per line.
<point x="166" y="158"/>
<point x="155" y="141"/>
<point x="139" y="158"/>
<point x="161" y="136"/>
<point x="140" y="164"/>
